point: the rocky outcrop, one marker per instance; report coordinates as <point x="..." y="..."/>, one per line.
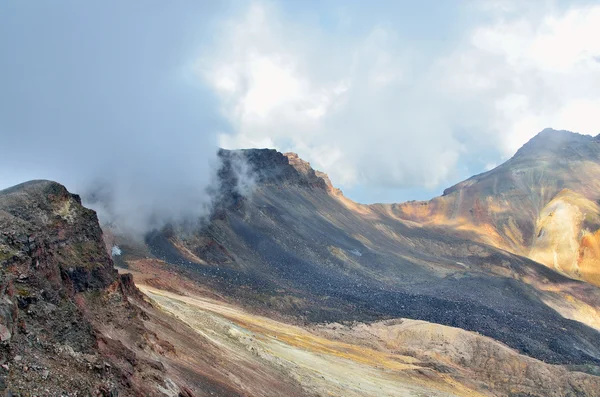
<point x="266" y="167"/>
<point x="313" y="178"/>
<point x="66" y="324"/>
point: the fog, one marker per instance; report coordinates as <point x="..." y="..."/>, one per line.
<point x="101" y="97"/>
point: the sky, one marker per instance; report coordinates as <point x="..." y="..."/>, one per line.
<point x="395" y="100"/>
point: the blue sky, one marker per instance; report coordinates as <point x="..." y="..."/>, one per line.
<point x="395" y="100"/>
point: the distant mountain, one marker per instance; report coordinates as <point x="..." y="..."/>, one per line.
<point x="543" y="203"/>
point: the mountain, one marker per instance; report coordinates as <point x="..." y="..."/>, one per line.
<point x="290" y="288"/>
<point x="67" y="322"/>
<point x="543" y="203"/>
<point x="297" y="249"/>
<point x="297" y="240"/>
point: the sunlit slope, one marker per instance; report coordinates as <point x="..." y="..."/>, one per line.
<point x="390" y="358"/>
<point x="564" y="239"/>
<point x="323" y="367"/>
<point x="542" y="203"/>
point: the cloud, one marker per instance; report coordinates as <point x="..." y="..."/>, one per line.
<point x="97" y="96"/>
<point x="371" y="110"/>
<point x="391" y="97"/>
<point x="334" y="100"/>
<point x="530" y="73"/>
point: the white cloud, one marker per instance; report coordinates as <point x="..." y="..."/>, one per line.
<point x="531" y="73"/>
<point x="332" y="99"/>
<point x="365" y="109"/>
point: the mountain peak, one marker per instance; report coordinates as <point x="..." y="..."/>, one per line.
<point x="268" y="166"/>
<point x="550" y="134"/>
<point x="552" y="142"/>
<point x="33" y="199"/>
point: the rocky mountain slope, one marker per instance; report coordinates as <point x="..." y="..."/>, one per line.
<point x="397" y="357"/>
<point x="543" y="203"/>
<point x="297" y="247"/>
<point x="67" y="326"/>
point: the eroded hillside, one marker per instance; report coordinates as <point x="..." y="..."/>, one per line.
<point x="542" y="203"/>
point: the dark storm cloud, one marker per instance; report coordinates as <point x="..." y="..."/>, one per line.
<point x="98" y="94"/>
